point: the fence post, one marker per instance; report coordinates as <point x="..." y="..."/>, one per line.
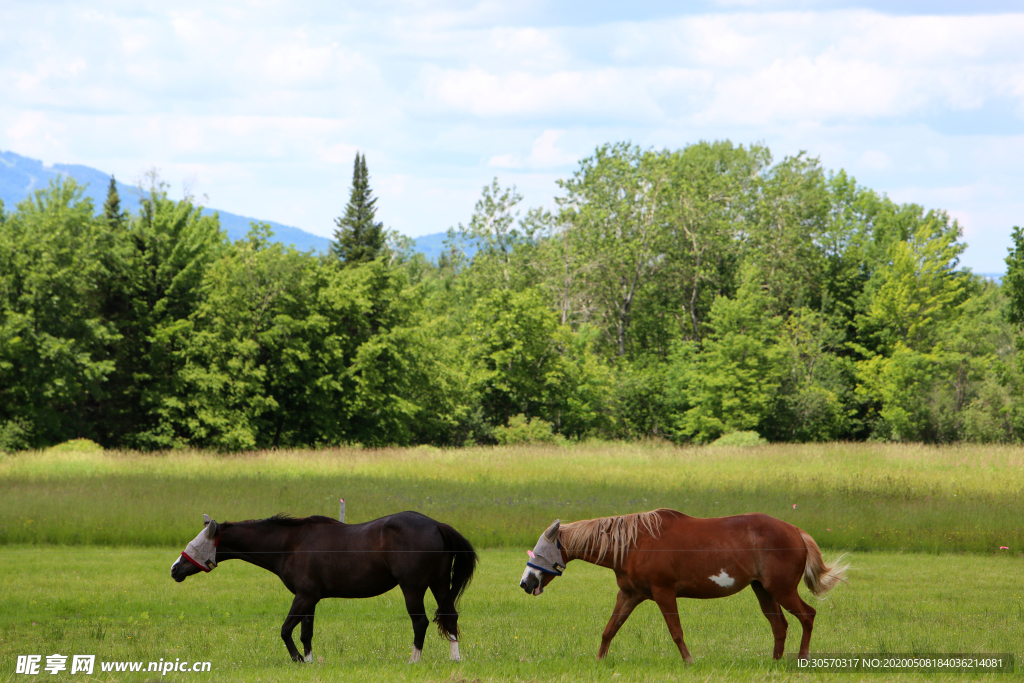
<point x="341" y="511"/>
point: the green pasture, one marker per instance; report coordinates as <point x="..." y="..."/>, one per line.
<point x="854" y="496"/>
<point x="88" y="539"/>
<point x="121" y="604"/>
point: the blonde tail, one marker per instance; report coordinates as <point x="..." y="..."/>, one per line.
<point x="818" y="576"/>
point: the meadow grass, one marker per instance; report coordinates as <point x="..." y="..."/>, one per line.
<point x="121" y="605"/>
<point x="856" y="496"/>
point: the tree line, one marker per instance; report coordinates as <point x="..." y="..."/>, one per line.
<point x="680" y="294"/>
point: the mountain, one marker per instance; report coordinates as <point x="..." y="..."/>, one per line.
<point x="432" y="246"/>
<point x="21" y="176"/>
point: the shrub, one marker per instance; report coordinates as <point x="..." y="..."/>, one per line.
<point x="14" y="435"/>
<point x="76" y="446"/>
<point x="521" y="430"/>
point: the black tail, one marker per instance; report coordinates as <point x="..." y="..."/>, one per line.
<point x="464" y="560"/>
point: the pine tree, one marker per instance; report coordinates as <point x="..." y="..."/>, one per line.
<point x="112" y="207"/>
<point x="1013" y="282"/>
<point x="358" y="238"/>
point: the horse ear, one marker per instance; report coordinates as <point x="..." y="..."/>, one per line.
<point x="212" y="529"/>
<point x="552" y="533"/>
<point x="206" y="519"/>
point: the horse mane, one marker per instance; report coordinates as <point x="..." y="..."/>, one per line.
<point x="282" y="519"/>
<point x="615" y="534"/>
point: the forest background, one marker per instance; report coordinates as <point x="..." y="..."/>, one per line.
<point x="690" y="295"/>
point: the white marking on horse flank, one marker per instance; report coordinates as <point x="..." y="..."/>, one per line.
<point x="723" y="579"/>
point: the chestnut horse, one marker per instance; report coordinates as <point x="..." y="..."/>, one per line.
<point x="319" y="557"/>
<point x="663" y="555"/>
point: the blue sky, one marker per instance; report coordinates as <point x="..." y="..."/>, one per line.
<point x="259" y="107"/>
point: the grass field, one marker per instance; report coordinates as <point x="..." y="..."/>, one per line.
<point x="850" y="496"/>
<point x="89" y="538"/>
<point x="121" y="604"/>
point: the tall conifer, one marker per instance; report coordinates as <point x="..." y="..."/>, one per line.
<point x="112" y="207"/>
<point x="358" y="238"/>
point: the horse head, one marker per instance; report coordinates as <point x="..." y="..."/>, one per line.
<point x="200" y="554"/>
<point x="545" y="563"/>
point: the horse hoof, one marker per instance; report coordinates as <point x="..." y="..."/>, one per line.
<point x="415" y="658"/>
<point x="309" y="658"/>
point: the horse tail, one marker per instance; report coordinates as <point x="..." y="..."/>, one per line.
<point x="464" y="559"/>
<point x="819" y="576"/>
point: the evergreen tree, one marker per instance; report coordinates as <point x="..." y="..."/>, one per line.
<point x="358" y="238"/>
<point x="1013" y="281"/>
<point x="112" y="207"/>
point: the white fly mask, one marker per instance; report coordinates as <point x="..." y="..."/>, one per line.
<point x="546" y="556"/>
<point x="202" y="550"/>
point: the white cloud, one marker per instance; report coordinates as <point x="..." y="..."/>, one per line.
<point x="530" y="48"/>
<point x="748" y="69"/>
<point x="36" y="133"/>
<point x="875" y="160"/>
<point x="786" y="67"/>
<point x="339" y="154"/>
<point x="505" y="161"/>
<point x="544" y="153"/>
<point x="809" y="89"/>
<point x="627" y="94"/>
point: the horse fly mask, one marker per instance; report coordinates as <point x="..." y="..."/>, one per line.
<point x="546" y="556"/>
<point x="202" y="550"/>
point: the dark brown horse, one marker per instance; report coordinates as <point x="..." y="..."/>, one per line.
<point x="664" y="555"/>
<point x="319" y="557"/>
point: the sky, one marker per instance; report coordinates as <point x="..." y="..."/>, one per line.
<point x="259" y="107"/>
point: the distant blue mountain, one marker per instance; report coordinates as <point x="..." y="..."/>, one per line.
<point x="432" y="246"/>
<point x="21" y="176"/>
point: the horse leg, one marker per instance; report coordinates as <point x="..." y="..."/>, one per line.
<point x="306" y="634"/>
<point x="418" y="614"/>
<point x="446" y="617"/>
<point x="805" y="613"/>
<point x="625" y="603"/>
<point x="773" y="611"/>
<point x="666" y="599"/>
<point x="302" y="607"/>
